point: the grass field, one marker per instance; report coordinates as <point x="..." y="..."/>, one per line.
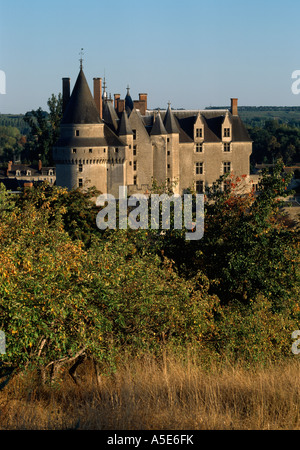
<point x="148" y="395"/>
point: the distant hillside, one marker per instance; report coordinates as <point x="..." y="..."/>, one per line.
<point x="257" y="115"/>
<point x="14" y="120"/>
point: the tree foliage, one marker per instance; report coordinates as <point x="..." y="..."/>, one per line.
<point x="68" y="288"/>
<point x="274" y="141"/>
<point x="44" y="131"/>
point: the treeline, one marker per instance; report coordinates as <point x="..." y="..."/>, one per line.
<point x="69" y="289"/>
<point x="15" y="121"/>
<point x="260" y="108"/>
<point x="275" y="141"/>
<point x="32" y="136"/>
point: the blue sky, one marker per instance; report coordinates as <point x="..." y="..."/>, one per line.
<point x="192" y="53"/>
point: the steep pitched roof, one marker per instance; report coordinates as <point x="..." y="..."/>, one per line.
<point x="81" y="107"/>
<point x="109" y="114"/>
<point x="158" y="126"/>
<point x="239" y="131"/>
<point x="169" y="122"/>
<point x="124" y="126"/>
<point x="128" y="102"/>
<point x="213" y="120"/>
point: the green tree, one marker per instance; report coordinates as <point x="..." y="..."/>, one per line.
<point x="11" y="143"/>
<point x="44" y="131"/>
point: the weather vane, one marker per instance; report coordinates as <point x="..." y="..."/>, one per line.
<point x="81" y="58"/>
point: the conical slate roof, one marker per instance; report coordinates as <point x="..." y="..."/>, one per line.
<point x="158" y="126"/>
<point x="169" y="122"/>
<point x="128" y="102"/>
<point x="81" y="107"/>
<point x="124" y="126"/>
<point x="109" y="114"/>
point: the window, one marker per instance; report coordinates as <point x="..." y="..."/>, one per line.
<point x="77" y="133"/>
<point x="117" y="150"/>
<point x="134" y="134"/>
<point x="18" y="173"/>
<point x="199" y="168"/>
<point x="199" y="187"/>
<point x="74" y="150"/>
<point x="199" y="147"/>
<point x="168" y="153"/>
<point x="226" y="147"/>
<point x="90" y="150"/>
<point x="80" y="168"/>
<point x="169" y="166"/>
<point x="80" y="182"/>
<point x="130" y="163"/>
<point x="50" y="173"/>
<point x="135" y="180"/>
<point x="28" y="173"/>
<point x="226" y="167"/>
<point x="134" y="165"/>
<point x="226" y="132"/>
<point x="198" y="132"/>
<point x="134" y="150"/>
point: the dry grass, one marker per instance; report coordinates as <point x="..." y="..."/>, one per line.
<point x="147" y="395"/>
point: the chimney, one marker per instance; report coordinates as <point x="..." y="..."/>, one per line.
<point x="39" y="165"/>
<point x="116" y="96"/>
<point x="98" y="94"/>
<point x="234" y="106"/>
<point x="121" y="105"/>
<point x="143" y="103"/>
<point x="65" y="93"/>
<point x="9" y="164"/>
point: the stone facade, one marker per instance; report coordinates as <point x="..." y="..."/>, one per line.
<point x="110" y="143"/>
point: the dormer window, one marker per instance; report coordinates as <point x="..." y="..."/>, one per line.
<point x="226" y="132"/>
<point x="50" y="173"/>
<point x="18" y="173"/>
<point x="28" y="173"/>
<point x="199" y="133"/>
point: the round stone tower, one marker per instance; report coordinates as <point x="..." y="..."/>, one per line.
<point x="81" y="152"/>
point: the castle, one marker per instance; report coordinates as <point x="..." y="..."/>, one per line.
<point x="108" y="143"/>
